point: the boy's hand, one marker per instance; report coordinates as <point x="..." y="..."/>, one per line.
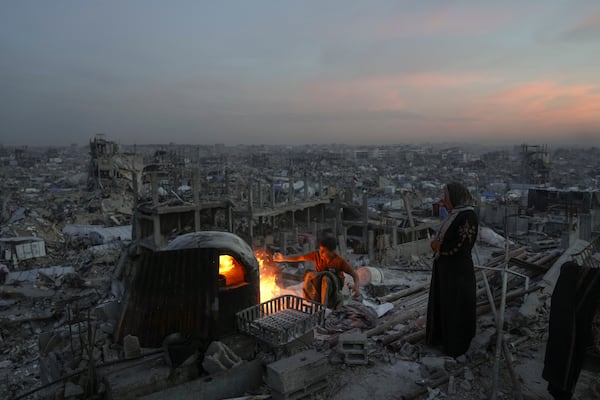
<point x="277" y="257"/>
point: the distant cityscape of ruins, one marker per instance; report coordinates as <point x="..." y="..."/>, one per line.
<point x="258" y="191"/>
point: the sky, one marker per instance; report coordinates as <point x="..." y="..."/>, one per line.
<point x="300" y="72"/>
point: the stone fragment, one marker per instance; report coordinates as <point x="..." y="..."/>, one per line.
<point x="433" y="363"/>
<point x="219" y="357"/>
<point x="131" y="346"/>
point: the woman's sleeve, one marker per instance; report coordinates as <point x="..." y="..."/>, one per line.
<point x="461" y="235"/>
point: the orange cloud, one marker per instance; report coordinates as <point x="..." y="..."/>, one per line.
<point x="544" y="104"/>
<point x="442" y="80"/>
<point x="449" y="105"/>
<point x="386" y="93"/>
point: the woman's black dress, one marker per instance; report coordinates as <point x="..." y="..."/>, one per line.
<point x="451" y="307"/>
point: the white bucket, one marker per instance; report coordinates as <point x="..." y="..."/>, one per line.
<point x="368" y="275"/>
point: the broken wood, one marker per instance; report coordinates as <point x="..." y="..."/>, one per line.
<point x="403" y="293"/>
<point x="398" y="320"/>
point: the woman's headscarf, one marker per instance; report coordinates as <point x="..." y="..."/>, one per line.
<point x="461" y="200"/>
<point x="459" y="194"/>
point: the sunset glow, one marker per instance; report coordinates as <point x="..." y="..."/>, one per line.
<point x="351" y="72"/>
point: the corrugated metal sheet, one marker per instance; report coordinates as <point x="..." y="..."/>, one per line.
<point x="173" y="291"/>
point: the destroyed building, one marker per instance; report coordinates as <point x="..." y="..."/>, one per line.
<point x="159" y="291"/>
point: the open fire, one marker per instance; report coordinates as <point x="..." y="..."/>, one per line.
<point x="232" y="273"/>
<point x="268" y="276"/>
<point x="230" y="270"/>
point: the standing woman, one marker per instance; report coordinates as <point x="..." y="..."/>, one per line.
<point x="451" y="306"/>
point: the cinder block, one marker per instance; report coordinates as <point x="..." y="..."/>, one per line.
<point x="352" y="340"/>
<point x="353" y="346"/>
<point x="356" y="358"/>
<point x="305" y="393"/>
<point x="295" y="373"/>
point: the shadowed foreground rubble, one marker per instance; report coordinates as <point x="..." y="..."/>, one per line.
<point x="48" y="319"/>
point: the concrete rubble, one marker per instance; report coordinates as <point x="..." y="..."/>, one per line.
<point x="73" y="219"/>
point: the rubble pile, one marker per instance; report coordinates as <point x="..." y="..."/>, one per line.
<point x="68" y="235"/>
<point x="51" y="281"/>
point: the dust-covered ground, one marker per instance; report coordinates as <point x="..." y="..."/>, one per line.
<point x="388" y="377"/>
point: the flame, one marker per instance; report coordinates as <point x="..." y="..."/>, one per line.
<point x="268" y="286"/>
<point x="231" y="270"/>
<point x="226" y="264"/>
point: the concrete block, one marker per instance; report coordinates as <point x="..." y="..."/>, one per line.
<point x="292" y="374"/>
<point x="352" y="340"/>
<point x="353" y="346"/>
<point x="305" y="393"/>
<point x="356" y="358"/>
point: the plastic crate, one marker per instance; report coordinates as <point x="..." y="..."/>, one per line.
<point x="281" y="320"/>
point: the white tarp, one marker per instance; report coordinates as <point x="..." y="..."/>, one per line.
<point x="30" y="275"/>
<point x="488" y="236"/>
<point x="98" y="234"/>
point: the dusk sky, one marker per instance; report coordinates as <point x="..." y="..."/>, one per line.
<point x="299" y="72"/>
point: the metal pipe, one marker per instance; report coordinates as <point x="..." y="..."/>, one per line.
<point x="500" y="317"/>
<point x="505" y="350"/>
